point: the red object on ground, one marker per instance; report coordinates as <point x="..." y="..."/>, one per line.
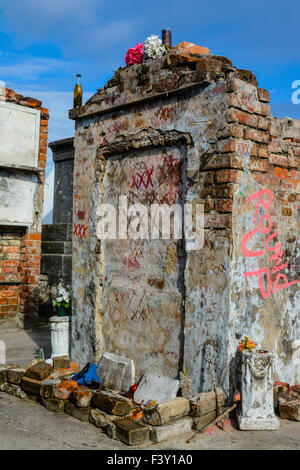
<point x="133" y="388"/>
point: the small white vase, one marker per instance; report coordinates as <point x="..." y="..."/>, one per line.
<point x="257" y="404"/>
<point x="60" y="335"/>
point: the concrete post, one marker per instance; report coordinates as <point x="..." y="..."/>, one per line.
<point x="60" y="335"/>
<point x="257" y="410"/>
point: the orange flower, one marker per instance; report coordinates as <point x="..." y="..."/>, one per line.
<point x="247" y="344"/>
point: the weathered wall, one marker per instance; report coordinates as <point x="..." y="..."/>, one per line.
<point x="23" y="131"/>
<point x="153" y="300"/>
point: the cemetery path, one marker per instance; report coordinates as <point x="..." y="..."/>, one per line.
<point x="28" y="425"/>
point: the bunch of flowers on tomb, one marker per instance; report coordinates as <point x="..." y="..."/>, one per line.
<point x="62" y="301"/>
<point x="134" y="55"/>
<point x="247" y="344"/>
<point x="153" y="48"/>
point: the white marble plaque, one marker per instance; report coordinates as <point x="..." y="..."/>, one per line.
<point x="19" y="134"/>
<point x="17" y="197"/>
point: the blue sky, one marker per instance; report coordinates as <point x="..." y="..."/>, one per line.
<point x="44" y="43"/>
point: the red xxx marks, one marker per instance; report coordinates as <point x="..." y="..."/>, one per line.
<point x="145" y="178"/>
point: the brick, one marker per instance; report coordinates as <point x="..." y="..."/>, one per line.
<point x="227" y="176"/>
<point x="132" y="433"/>
<point x="83" y="414"/>
<point x="226" y="145"/>
<point x="200" y="421"/>
<point x="101" y="419"/>
<point x="31" y="385"/>
<point x="64" y="390"/>
<point x="187" y="48"/>
<point x="32" y="102"/>
<point x="14" y="390"/>
<point x="15" y="375"/>
<point x="225" y="205"/>
<point x="256" y="135"/>
<point x="3" y="371"/>
<point x="263" y="123"/>
<point x="112" y="403"/>
<point x="82" y="396"/>
<point x="53" y="404"/>
<point x="236" y="115"/>
<point x="263" y="108"/>
<point x="48" y="387"/>
<point x="111" y="431"/>
<point x="262" y="151"/>
<point x="172" y="430"/>
<point x="167" y="411"/>
<point x="231" y="130"/>
<point x="39" y="371"/>
<point x="290" y="410"/>
<point x="279" y="160"/>
<point x="204" y="403"/>
<point x="35" y="398"/>
<point x="208" y="177"/>
<point x="263" y="95"/>
<point x="257" y="164"/>
<point x="65" y="374"/>
<point x="61" y="362"/>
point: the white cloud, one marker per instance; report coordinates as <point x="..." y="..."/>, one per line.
<point x="31" y="68"/>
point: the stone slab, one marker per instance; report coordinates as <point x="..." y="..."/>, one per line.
<point x="15" y="375"/>
<point x="112" y="403"/>
<point x="131" y="433"/>
<point x="61" y="362"/>
<point x="83" y="414"/>
<point x="204" y="403"/>
<point x="14" y="390"/>
<point x="39" y="371"/>
<point x="82" y="396"/>
<point x="167" y="412"/>
<point x="290" y="410"/>
<point x="118" y="372"/>
<point x="200" y="422"/>
<point x="64" y="389"/>
<point x="170" y="431"/>
<point x="101" y="419"/>
<point x="31" y="385"/>
<point x="48" y="387"/>
<point x="156" y="387"/>
<point x="53" y="404"/>
<point x="3" y="371"/>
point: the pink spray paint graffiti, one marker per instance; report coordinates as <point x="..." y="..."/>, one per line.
<point x="275" y="251"/>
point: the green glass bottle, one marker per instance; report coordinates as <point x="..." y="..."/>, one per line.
<point x="77" y="95"/>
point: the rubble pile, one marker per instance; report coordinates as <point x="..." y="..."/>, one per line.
<point x="129" y="416"/>
<point x="132" y="413"/>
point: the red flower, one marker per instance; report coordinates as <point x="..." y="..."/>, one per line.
<point x="134" y="55"/>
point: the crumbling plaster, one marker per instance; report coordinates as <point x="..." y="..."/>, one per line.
<point x="169" y="325"/>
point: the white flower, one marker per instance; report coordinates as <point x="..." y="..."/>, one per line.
<point x="153" y="48"/>
<point x="59" y="299"/>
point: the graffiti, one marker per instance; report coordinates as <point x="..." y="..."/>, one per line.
<point x="81" y="215"/>
<point x="130" y="263"/>
<point x="164" y="113"/>
<point x="218" y="269"/>
<point x="159" y="283"/>
<point x="79" y="230"/>
<point x="207" y="288"/>
<point x="265" y="227"/>
<point x="136" y="183"/>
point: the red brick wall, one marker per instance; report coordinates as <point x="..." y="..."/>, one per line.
<point x="20" y="252"/>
